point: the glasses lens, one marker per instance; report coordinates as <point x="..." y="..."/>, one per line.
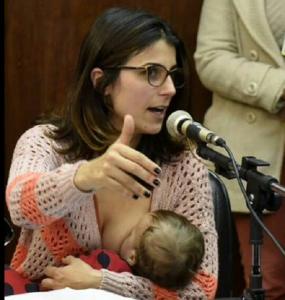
<point x="156" y="75"/>
<point x="177" y="76"/>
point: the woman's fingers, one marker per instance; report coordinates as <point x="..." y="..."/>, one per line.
<point x="68" y="259"/>
<point x="102" y="172"/>
<point x="75" y="274"/>
<point x="129" y="184"/>
<point x="127" y="132"/>
<point x="123" y="145"/>
<point x="50" y="271"/>
<point x="50" y="284"/>
<point x="137" y="170"/>
<point x="138" y="158"/>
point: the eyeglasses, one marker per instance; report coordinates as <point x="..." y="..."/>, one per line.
<point x="157" y="74"/>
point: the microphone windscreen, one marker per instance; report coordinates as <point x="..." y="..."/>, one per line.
<point x="173" y="122"/>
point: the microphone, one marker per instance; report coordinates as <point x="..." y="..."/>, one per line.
<point x="180" y="124"/>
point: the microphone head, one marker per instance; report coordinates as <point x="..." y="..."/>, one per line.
<point x="173" y="121"/>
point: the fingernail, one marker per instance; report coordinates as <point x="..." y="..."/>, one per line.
<point x="146" y="194"/>
<point x="156" y="182"/>
<point x="135" y="197"/>
<point x="157" y="170"/>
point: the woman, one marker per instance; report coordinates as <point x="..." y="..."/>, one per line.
<point x="83" y="180"/>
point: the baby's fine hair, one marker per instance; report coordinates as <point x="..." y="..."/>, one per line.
<point x="170" y="251"/>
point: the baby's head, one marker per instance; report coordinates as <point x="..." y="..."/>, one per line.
<point x="165" y="248"/>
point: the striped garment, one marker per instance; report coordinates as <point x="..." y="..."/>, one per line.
<point x="57" y="219"/>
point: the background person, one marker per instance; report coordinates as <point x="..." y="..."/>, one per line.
<point x="238" y="57"/>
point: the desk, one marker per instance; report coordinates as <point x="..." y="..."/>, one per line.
<point x="229" y="298"/>
<point x="70" y="294"/>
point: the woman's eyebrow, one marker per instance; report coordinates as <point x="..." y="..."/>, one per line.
<point x="158" y="64"/>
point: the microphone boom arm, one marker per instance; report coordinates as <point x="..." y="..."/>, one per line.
<point x="223" y="164"/>
<point x="224" y="167"/>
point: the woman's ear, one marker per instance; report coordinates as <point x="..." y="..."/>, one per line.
<point x="95" y="74"/>
<point x="132" y="257"/>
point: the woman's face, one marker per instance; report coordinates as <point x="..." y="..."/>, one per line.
<point x="132" y="94"/>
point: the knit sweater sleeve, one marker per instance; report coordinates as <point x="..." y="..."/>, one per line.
<point x="185" y="190"/>
<point x="40" y="186"/>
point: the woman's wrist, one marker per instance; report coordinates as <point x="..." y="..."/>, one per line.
<point x="96" y="279"/>
<point x="80" y="179"/>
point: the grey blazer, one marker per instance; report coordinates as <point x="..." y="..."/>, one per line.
<point x="239" y="60"/>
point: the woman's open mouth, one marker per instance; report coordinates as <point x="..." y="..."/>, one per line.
<point x="158" y="111"/>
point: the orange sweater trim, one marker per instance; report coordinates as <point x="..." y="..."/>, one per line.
<point x="208" y="283"/>
<point x="60" y="241"/>
<point x="164" y="294"/>
<point x="28" y="200"/>
<point x="29" y="205"/>
<point x="16" y="181"/>
<point x="19" y="256"/>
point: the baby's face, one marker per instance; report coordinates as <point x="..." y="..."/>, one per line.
<point x="132" y="240"/>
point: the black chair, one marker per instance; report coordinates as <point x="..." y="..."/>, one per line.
<point x="227" y="236"/>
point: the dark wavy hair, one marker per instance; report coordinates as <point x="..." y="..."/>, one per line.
<point x="116" y="36"/>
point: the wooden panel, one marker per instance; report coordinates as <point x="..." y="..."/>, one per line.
<point x="42" y="40"/>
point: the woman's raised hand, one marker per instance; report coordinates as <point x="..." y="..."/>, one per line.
<point x="114" y="169"/>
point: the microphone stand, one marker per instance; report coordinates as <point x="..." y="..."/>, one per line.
<point x="263" y="192"/>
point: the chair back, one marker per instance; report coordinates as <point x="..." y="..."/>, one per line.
<point x="226" y="235"/>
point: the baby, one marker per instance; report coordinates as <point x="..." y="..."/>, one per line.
<point x="164" y="247"/>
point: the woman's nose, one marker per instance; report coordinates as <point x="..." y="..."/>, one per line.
<point x="168" y="86"/>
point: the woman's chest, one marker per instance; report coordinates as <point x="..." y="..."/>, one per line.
<point x="117" y="216"/>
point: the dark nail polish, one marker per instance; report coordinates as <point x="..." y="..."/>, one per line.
<point x="156" y="182"/>
<point x="146" y="194"/>
<point x="135" y="197"/>
<point x="157" y="170"/>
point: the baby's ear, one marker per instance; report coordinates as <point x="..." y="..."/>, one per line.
<point x="95" y="74"/>
<point x="132" y="257"/>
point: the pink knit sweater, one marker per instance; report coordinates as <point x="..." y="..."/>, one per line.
<point x="57" y="219"/>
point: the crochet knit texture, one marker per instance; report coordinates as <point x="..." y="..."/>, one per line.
<point x="57" y="219"/>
